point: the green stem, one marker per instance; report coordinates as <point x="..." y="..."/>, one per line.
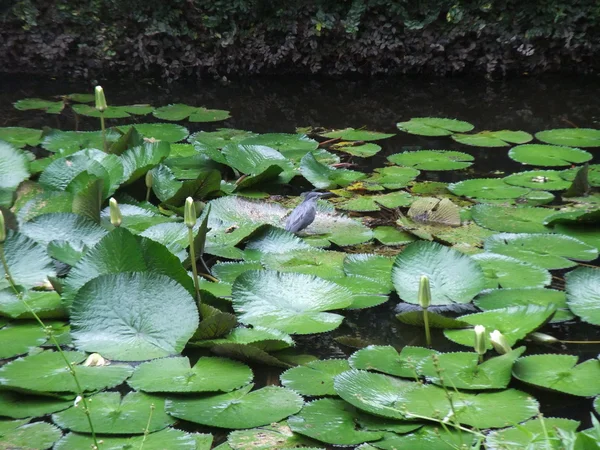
<point x="426" y="324"/>
<point x="147" y="429"/>
<point x="579" y="342"/>
<point x="194" y="268"/>
<point x="50" y="335"/>
<point x="103" y="132"/>
<point x="148" y="190"/>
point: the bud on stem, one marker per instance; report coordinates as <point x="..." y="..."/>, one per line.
<point x="2" y="228"/>
<point x="189" y="216"/>
<point x="115" y="213"/>
<point x="499" y="342"/>
<point x="480" y="344"/>
<point x="100" y="99"/>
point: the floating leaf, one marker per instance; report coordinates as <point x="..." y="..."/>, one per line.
<point x="290" y="302"/>
<point x="314" y="378"/>
<point x="453" y="277"/>
<point x="13" y="166"/>
<point x="169" y="438"/>
<point x="270" y="437"/>
<point x="388" y="235"/>
<point x="27" y="261"/>
<point x="387" y="360"/>
<point x="19" y="434"/>
<point x="123" y="316"/>
<point x="487" y="188"/>
<point x="573" y="137"/>
<point x="548" y="155"/>
<point x="66" y="227"/>
<point x="325" y="177"/>
<point x="501" y="138"/>
<point x="584" y="232"/>
<point x="48" y="106"/>
<point x="219" y="138"/>
<point x="536" y="433"/>
<point x="434" y="126"/>
<point x="432" y="159"/>
<point x="113" y="112"/>
<point x="176" y="375"/>
<point x="21" y="406"/>
<point x="20" y="137"/>
<point x="392" y="177"/>
<point x="47" y="372"/>
<point x="351" y="134"/>
<point x="237" y="409"/>
<point x="139" y="160"/>
<point x="46" y="304"/>
<point x="331" y="421"/>
<point x="159" y="131"/>
<point x="292" y="146"/>
<point x="375" y="267"/>
<point x="570" y="174"/>
<point x="362" y="151"/>
<point x="426" y="438"/>
<point x="432" y="210"/>
<point x="508" y="272"/>
<point x="372" y="202"/>
<point x="583" y="293"/>
<point x="68" y="142"/>
<point x="179" y="111"/>
<point x="549" y="180"/>
<point x="19" y="338"/>
<point x="509" y="219"/>
<point x="560" y="373"/>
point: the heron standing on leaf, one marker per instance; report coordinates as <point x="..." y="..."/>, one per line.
<point x="304" y="214"/>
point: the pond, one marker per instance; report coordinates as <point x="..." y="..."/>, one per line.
<point x="502" y="224"/>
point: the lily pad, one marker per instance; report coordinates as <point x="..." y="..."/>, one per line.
<point x="67" y="142"/>
<point x="522" y="219"/>
<point x="19" y="338"/>
<point x="433" y="159"/>
<point x="391" y="177"/>
<point x="487" y="188"/>
<point x="159" y="131"/>
<point x="292" y="146"/>
<point x="389" y="235"/>
<point x="536" y="433"/>
<point x="560" y="373"/>
<point x="169" y="438"/>
<point x="179" y="111"/>
<point x="51" y="107"/>
<point x="453" y="276"/>
<point x="549" y="180"/>
<point x="501" y="138"/>
<point x="138" y="160"/>
<point x="19" y="434"/>
<point x="20" y="137"/>
<point x="508" y="272"/>
<point x="21" y="406"/>
<point x="13" y="166"/>
<point x="375" y="267"/>
<point x="27" y="261"/>
<point x="290" y="302"/>
<point x="275" y="436"/>
<point x="362" y="151"/>
<point x="372" y="202"/>
<point x="124" y="316"/>
<point x="66" y="227"/>
<point x="176" y="375"/>
<point x="548" y="155"/>
<point x="583" y="293"/>
<point x="322" y="176"/>
<point x="425" y="438"/>
<point x="314" y="378"/>
<point x="351" y="134"/>
<point x="237" y="409"/>
<point x="434" y="126"/>
<point x="113" y="112"/>
<point x="385" y="359"/>
<point x="219" y="138"/>
<point x="593" y="174"/>
<point x="573" y="137"/>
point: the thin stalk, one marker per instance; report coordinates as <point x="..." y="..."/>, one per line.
<point x="50" y="335"/>
<point x="546" y="436"/>
<point x="103" y="131"/>
<point x="426" y="324"/>
<point x="148" y="190"/>
<point x="194" y="268"/>
<point x="147" y="429"/>
<point x="579" y="342"/>
<point x="209" y="277"/>
<point x="410" y="415"/>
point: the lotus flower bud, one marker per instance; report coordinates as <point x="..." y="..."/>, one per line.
<point x="115" y="213"/>
<point x="77" y="400"/>
<point x="542" y="338"/>
<point x="189" y="216"/>
<point x="2" y="228"/>
<point x="480" y="344"/>
<point x="499" y="342"/>
<point x="424" y="292"/>
<point x="100" y="99"/>
<point x="149" y="179"/>
<point x="95" y="360"/>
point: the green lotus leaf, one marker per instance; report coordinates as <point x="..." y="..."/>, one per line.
<point x="389" y="235"/>
<point x="135" y="218"/>
<point x="549" y="180"/>
<point x="366" y="292"/>
<point x="274" y="240"/>
<point x="79" y="98"/>
<point x="375" y="267"/>
<point x="314" y="378"/>
<point x="324" y="177"/>
<point x="13" y="166"/>
<point x="425" y="438"/>
<point x="331" y="421"/>
<point x="501" y="138"/>
<point x="522" y="219"/>
<point x="548" y="155"/>
<point x="256" y="159"/>
<point x="267" y="339"/>
<point x="237" y="409"/>
<point x="132" y="414"/>
<point x="46" y="304"/>
<point x="415" y="318"/>
<point x="20" y="338"/>
<point x="508" y="272"/>
<point x="292" y="146"/>
<point x="514" y="322"/>
<point x="176" y="375"/>
<point x="47" y="372"/>
<point x="336" y="228"/>
<point x="362" y="151"/>
<point x="560" y="373"/>
<point x="487" y="188"/>
<point x="587" y="233"/>
<point x="374" y="423"/>
<point x="27" y="261"/>
<point x="124" y="316"/>
<point x="535" y="433"/>
<point x="21" y="406"/>
<point x="351" y="134"/>
<point x="48" y="106"/>
<point x="68" y="142"/>
<point x="462" y="370"/>
<point x="158" y="131"/>
<point x="20" y="137"/>
<point x="173" y="235"/>
<point x="290" y="302"/>
<point x="313" y="261"/>
<point x="276" y="436"/>
<point x="372" y="202"/>
<point x="180" y="111"/>
<point x="432" y="159"/>
<point x="227" y="272"/>
<point x="387" y="360"/>
<point x="567" y="174"/>
<point x="120" y="251"/>
<point x="392" y="177"/>
<point x="169" y="189"/>
<point x="169" y="438"/>
<point x="19" y="434"/>
<point x="138" y="160"/>
<point x="588" y="215"/>
<point x="583" y="293"/>
<point x="453" y="277"/>
<point x="434" y="126"/>
<point x="550" y="251"/>
<point x="502" y="298"/>
<point x="572" y="137"/>
<point x="219" y="138"/>
<point x="113" y="112"/>
<point x="68" y="227"/>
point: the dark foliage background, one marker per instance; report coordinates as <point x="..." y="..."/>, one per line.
<point x="175" y="38"/>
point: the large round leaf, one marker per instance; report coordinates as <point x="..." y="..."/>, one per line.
<point x="113" y="112"/>
<point x="351" y="134"/>
<point x="548" y="155"/>
<point x="179" y="111"/>
<point x="27" y="261"/>
<point x="425" y="438"/>
<point x="502" y="138"/>
<point x="20" y="137"/>
<point x="47" y="372"/>
<point x="520" y="219"/>
<point x="176" y="375"/>
<point x="433" y="159"/>
<point x="67" y="142"/>
<point x="21" y="406"/>
<point x="46" y="304"/>
<point x="545" y="432"/>
<point x="69" y="227"/>
<point x="19" y="434"/>
<point x="387" y="360"/>
<point x="508" y="272"/>
<point x="434" y="126"/>
<point x="160" y="131"/>
<point x="170" y="438"/>
<point x="20" y="338"/>
<point x="219" y="138"/>
<point x="276" y="436"/>
<point x="503" y="298"/>
<point x="560" y="373"/>
<point x="13" y="166"/>
<point x="453" y="276"/>
<point x="331" y="421"/>
<point x="323" y="176"/>
<point x="487" y="188"/>
<point x="551" y="251"/>
<point x="237" y="409"/>
<point x="583" y="293"/>
<point x="290" y="302"/>
<point x="549" y="180"/>
<point x="293" y="146"/>
<point x="133" y="316"/>
<point x="573" y="137"/>
<point x="111" y="414"/>
<point x="314" y="378"/>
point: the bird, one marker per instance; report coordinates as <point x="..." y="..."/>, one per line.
<point x="304" y="214"/>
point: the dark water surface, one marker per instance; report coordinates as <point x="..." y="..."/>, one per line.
<point x="281" y="105"/>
